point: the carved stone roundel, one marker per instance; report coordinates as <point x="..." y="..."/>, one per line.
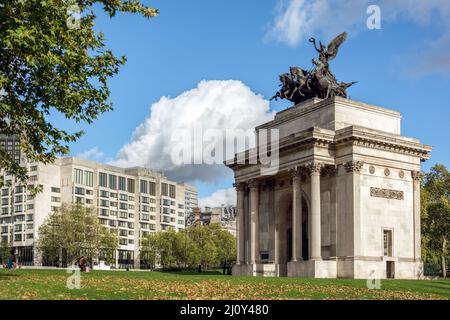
<point x="401" y="174"/>
<point x="372" y="169"/>
<point x="387" y="172"/>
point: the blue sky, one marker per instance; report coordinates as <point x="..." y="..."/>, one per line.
<point x="404" y="66"/>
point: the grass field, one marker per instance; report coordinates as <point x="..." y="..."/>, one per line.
<point x="51" y="284"/>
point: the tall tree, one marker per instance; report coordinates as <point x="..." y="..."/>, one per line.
<point x="225" y="244"/>
<point x="4" y="251"/>
<point x="74" y="230"/>
<point x="52" y="61"/>
<point x="436" y="216"/>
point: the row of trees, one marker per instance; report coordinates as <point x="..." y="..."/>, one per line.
<point x="74" y="230"/>
<point x="435" y="198"/>
<point x="198" y="245"/>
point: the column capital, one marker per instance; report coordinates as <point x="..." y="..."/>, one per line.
<point x="296" y="173"/>
<point x="253" y="184"/>
<point x="239" y="186"/>
<point x="353" y="166"/>
<point x="417" y="175"/>
<point x="314" y="167"/>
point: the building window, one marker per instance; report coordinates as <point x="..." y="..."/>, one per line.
<point x="113" y="182"/>
<point x="122" y="184"/>
<point x="123" y="233"/>
<point x="164" y="189"/>
<point x="79" y="200"/>
<point x="130" y="185"/>
<point x="89" y="178"/>
<point x="103" y="180"/>
<point x="104" y="194"/>
<point x="79" y="191"/>
<point x="33" y="168"/>
<point x="144" y="186"/>
<point x="172" y="191"/>
<point x="123" y="215"/>
<point x="55" y="199"/>
<point x="78" y="176"/>
<point x="29" y="236"/>
<point x="19" y="189"/>
<point x="17" y="228"/>
<point x="18" y="237"/>
<point x="152" y="188"/>
<point x="387" y="243"/>
<point x="29" y="217"/>
<point x="30" y="206"/>
<point x="56" y="190"/>
<point x="5" y="201"/>
<point x="18" y="208"/>
<point x="123" y="206"/>
<point x="18" y="198"/>
<point x="104" y="203"/>
<point x="123" y="197"/>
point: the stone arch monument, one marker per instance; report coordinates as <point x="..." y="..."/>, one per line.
<point x="344" y="202"/>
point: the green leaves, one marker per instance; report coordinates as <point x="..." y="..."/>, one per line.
<point x="46" y="66"/>
<point x="75" y="230"/>
<point x="435" y="198"/>
<point x="208" y="245"/>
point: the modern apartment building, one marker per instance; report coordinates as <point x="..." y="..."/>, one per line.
<point x="136" y="201"/>
<point x="11" y="145"/>
<point x="190" y="201"/>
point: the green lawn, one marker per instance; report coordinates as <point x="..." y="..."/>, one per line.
<point x="51" y="284"/>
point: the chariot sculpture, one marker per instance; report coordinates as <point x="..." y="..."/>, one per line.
<point x="300" y="85"/>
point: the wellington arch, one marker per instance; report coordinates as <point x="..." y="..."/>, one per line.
<point x="345" y="201"/>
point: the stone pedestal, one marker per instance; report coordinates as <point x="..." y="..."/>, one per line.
<point x="312" y="269"/>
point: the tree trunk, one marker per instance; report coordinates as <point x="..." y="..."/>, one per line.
<point x="444" y="257"/>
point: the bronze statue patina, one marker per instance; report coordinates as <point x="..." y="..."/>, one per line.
<point x="300" y="85"/>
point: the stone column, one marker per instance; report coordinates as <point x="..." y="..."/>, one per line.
<point x="254" y="222"/>
<point x="240" y="236"/>
<point x="315" y="236"/>
<point x="417" y="177"/>
<point x="270" y="194"/>
<point x="296" y="216"/>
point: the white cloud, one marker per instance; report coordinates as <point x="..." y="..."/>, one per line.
<point x="94" y="154"/>
<point x="297" y="20"/>
<point x="213" y="105"/>
<point x="220" y="197"/>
